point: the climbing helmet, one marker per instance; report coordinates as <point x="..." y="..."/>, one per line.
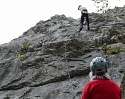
<point x="98" y="65"/>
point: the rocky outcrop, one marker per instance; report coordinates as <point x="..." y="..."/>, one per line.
<point x="51" y="60"/>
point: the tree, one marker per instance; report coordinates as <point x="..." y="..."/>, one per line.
<point x="101" y="5"/>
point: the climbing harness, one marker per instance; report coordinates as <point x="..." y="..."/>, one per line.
<point x="85" y="22"/>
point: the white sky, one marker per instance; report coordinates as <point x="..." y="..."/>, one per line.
<point x="17" y="16"/>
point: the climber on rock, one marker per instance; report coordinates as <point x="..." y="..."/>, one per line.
<point x="100" y="86"/>
<point x="84" y="14"/>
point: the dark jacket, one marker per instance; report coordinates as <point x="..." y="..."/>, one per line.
<point x="84" y="13"/>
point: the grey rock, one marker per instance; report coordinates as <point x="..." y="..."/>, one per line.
<point x="51" y="60"/>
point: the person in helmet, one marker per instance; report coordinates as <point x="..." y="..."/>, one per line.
<point x="84" y="14"/>
<point x="100" y="86"/>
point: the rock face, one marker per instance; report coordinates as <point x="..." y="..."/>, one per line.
<point x="51" y="60"/>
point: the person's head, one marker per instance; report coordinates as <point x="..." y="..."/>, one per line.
<point x="98" y="66"/>
<point x="98" y="69"/>
<point x="82" y="9"/>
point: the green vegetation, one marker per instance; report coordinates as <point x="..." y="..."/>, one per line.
<point x="62" y="26"/>
<point x="109" y="50"/>
<point x="25" y="44"/>
<point x="71" y="20"/>
<point x="122" y="17"/>
<point x="121" y="30"/>
<point x="23" y="49"/>
<point x="20" y="56"/>
<point x="98" y="29"/>
<point x="118" y="32"/>
<point x="101" y="5"/>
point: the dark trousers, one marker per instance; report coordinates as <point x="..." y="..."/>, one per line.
<point x="82" y="20"/>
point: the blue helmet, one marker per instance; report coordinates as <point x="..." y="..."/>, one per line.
<point x="98" y="66"/>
